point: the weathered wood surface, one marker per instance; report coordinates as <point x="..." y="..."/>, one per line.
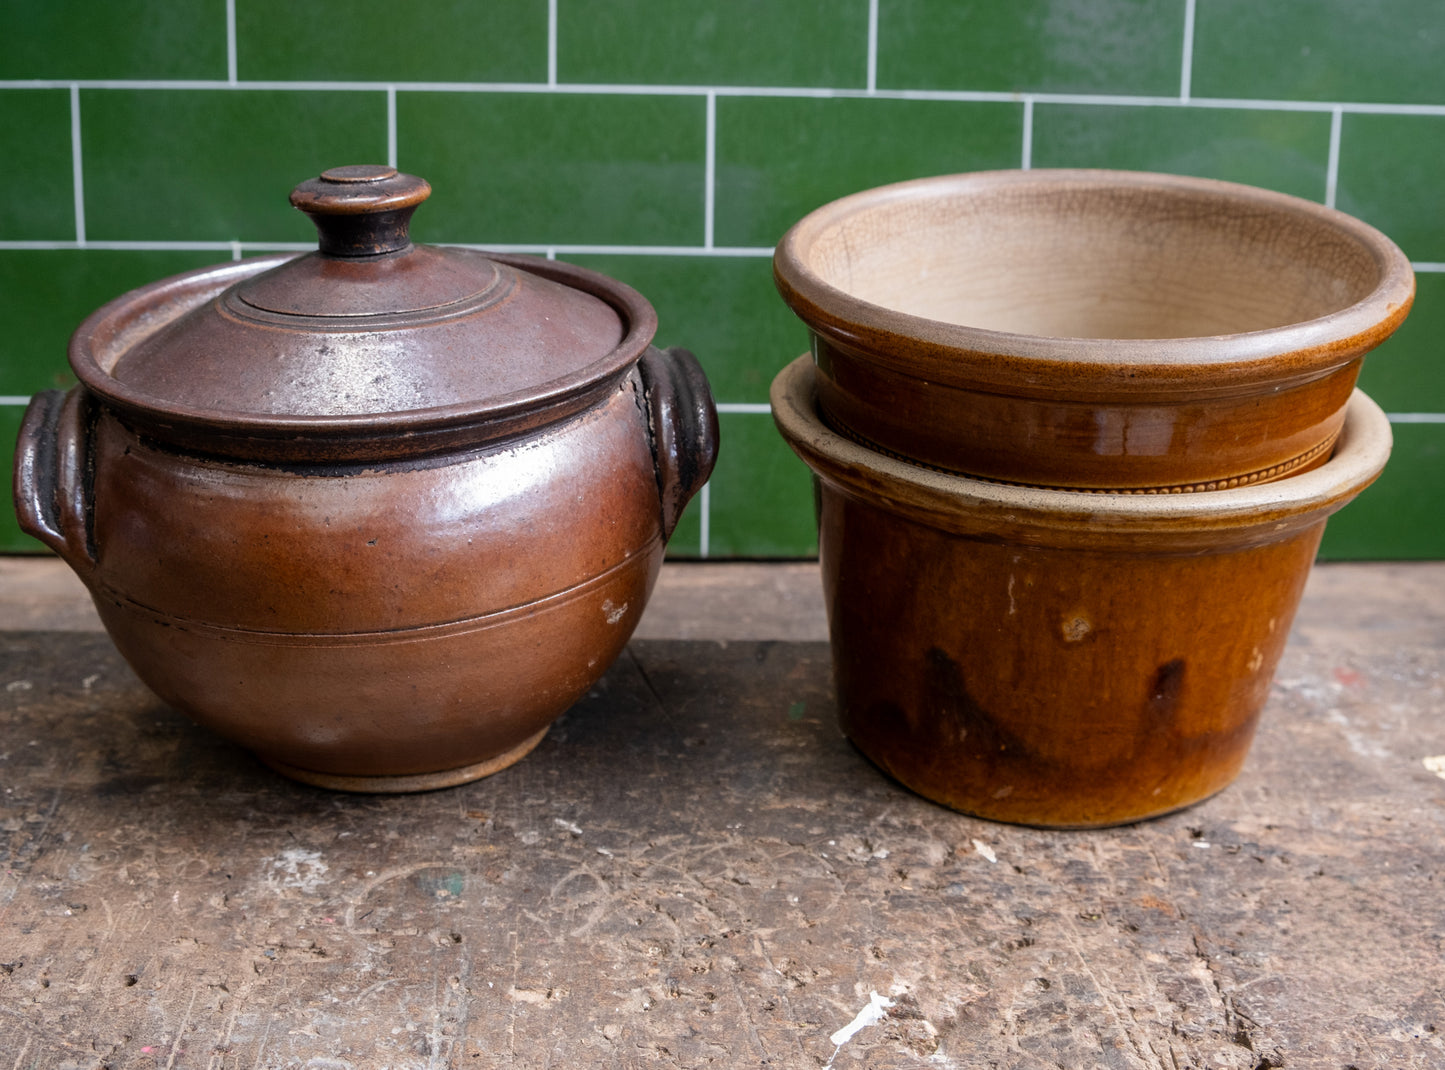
<point x="694" y="869"/>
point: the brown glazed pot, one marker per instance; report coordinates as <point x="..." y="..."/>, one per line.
<point x="1052" y="658"/>
<point x="379" y="513"/>
<point x="1095" y="330"/>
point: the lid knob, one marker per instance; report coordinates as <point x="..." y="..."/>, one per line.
<point x="362" y="210"/>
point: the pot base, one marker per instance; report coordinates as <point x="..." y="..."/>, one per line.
<point x="401" y="785"/>
<point x="987" y="813"/>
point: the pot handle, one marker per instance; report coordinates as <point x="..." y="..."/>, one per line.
<point x="51" y="492"/>
<point x="683" y="421"/>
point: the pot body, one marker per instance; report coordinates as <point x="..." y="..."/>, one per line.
<point x="1091" y="330"/>
<point x="1119" y="444"/>
<point x="1050" y="686"/>
<point x="376" y="626"/>
<point x="1051" y="658"/>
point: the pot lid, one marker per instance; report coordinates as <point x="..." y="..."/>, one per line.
<point x="368" y="336"/>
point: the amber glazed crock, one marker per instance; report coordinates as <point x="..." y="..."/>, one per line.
<point x="379" y="513"/>
<point x="1052" y="658"/>
<point x="1094" y="330"/>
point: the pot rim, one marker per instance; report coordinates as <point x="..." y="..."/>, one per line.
<point x="1170" y="522"/>
<point x="1057" y="366"/>
<point x="126" y="320"/>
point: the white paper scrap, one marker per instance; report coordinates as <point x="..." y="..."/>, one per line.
<point x="876" y="1010"/>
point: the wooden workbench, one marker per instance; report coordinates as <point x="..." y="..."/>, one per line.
<point x="695" y="869"/>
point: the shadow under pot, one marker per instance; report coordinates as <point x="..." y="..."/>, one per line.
<point x="378" y="513"/>
<point x="1091" y="330"/>
<point x="1050" y="658"/>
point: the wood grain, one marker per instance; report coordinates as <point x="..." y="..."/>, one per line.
<point x="694" y="869"/>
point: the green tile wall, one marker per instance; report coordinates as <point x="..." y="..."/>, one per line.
<point x="713" y="42"/>
<point x="533" y="167"/>
<point x="141" y="39"/>
<point x="196" y="165"/>
<point x="1392" y="174"/>
<point x="1098" y="46"/>
<point x="1284" y="150"/>
<point x="1386" y="51"/>
<point x="35" y="130"/>
<point x="671" y="144"/>
<point x="380" y="40"/>
<point x="779" y="158"/>
<point x="44" y="293"/>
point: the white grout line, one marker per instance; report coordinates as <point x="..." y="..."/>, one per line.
<point x="709" y="180"/>
<point x="231" y="66"/>
<point x="1424" y="267"/>
<point x="236" y="253"/>
<point x="551" y="42"/>
<point x="162" y="246"/>
<point x="872" y="46"/>
<point x="391" y="126"/>
<point x="727" y="252"/>
<point x="278" y="246"/>
<point x="77" y="171"/>
<point x="1332" y="168"/>
<point x="748" y="407"/>
<point x="704" y="508"/>
<point x="606" y="89"/>
<point x="1026" y="159"/>
<point x="615" y="250"/>
<point x="1416" y="417"/>
<point x="14" y="399"/>
<point x="1186" y="66"/>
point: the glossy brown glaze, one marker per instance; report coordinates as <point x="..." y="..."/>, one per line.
<point x="384" y="600"/>
<point x="1051" y="658"/>
<point x="1091" y="329"/>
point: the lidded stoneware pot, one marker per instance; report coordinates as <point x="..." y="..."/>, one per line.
<point x="1091" y="330"/>
<point x="381" y="512"/>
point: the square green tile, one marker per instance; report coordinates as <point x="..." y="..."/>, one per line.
<point x="1407" y="373"/>
<point x="714" y="42"/>
<point x="216" y="165"/>
<point x="550" y="168"/>
<point x="35" y="145"/>
<point x="1283" y="150"/>
<point x="1392" y="174"/>
<point x="1402" y="516"/>
<point x="12" y="539"/>
<point x="375" y="40"/>
<point x="1039" y="46"/>
<point x="779" y="158"/>
<point x="723" y="308"/>
<point x="81" y="39"/>
<point x="49" y="291"/>
<point x="761" y="494"/>
<point x="1387" y="51"/>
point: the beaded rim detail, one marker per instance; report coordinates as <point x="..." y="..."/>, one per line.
<point x="1262" y="475"/>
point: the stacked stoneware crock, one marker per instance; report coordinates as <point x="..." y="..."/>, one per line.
<point x="1076" y="435"/>
<point x="380" y="512"/>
